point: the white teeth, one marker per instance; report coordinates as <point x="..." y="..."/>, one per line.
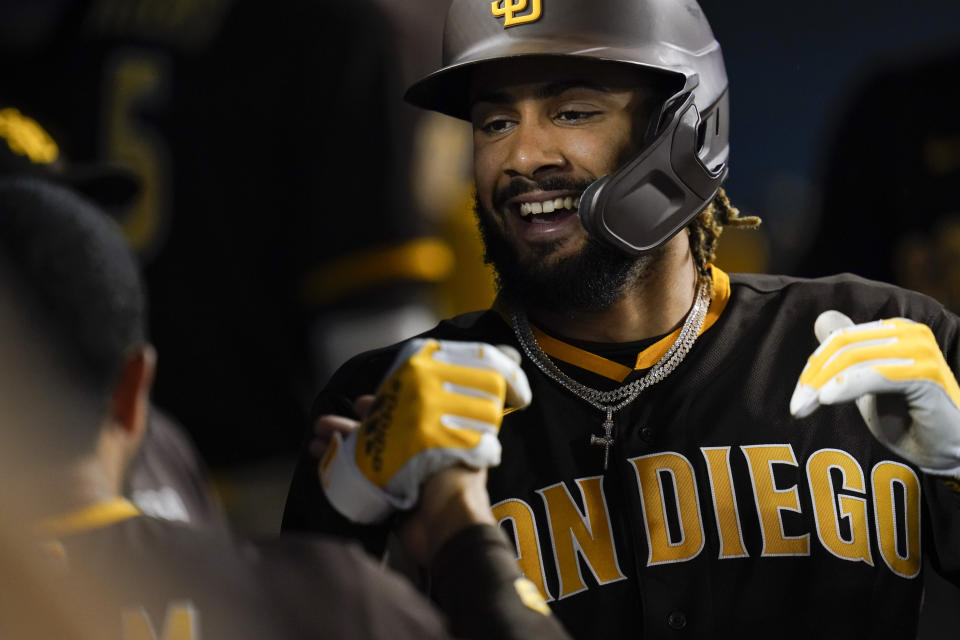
<point x="549" y="206"/>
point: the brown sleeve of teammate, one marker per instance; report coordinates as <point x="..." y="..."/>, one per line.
<point x="476" y="582"/>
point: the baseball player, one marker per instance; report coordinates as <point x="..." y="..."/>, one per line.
<point x="705" y="454"/>
<point x="119" y="573"/>
<point x="167" y="479"/>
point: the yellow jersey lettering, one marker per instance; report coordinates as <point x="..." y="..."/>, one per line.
<point x="830" y="507"/>
<point x="889" y="478"/>
<point x="182" y="623"/>
<point x="574" y="534"/>
<point x="724" y="502"/>
<point x="771" y="502"/>
<point x="529" y="557"/>
<point x="510" y="11"/>
<point x="651" y="471"/>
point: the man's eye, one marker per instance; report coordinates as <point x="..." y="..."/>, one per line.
<point x="496" y="126"/>
<point x="575" y="116"/>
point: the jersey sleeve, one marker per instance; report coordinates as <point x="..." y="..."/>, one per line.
<point x="478" y="585"/>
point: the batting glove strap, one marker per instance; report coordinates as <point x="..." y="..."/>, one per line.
<point x="349" y="491"/>
<point x="355" y="497"/>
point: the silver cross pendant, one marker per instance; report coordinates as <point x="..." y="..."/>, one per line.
<point x="605" y="441"/>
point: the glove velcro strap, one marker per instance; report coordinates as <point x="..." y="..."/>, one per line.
<point x="349" y="491"/>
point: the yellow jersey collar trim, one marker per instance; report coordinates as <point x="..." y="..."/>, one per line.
<point x="93" y="516"/>
<point x="559" y="350"/>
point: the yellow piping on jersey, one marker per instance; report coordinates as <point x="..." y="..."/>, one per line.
<point x="607" y="368"/>
<point x="423" y="260"/>
<point x="560" y="350"/>
<point x="93" y="516"/>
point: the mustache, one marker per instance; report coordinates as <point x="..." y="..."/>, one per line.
<point x="520" y="186"/>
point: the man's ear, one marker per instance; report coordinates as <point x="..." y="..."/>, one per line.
<point x="131" y="394"/>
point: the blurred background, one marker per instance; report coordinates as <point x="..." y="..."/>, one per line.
<point x="844" y="131"/>
<point x="289" y="210"/>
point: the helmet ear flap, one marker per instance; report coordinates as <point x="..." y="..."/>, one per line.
<point x="655" y="195"/>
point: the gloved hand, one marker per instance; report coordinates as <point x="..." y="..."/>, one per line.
<point x="440" y="404"/>
<point x="920" y="420"/>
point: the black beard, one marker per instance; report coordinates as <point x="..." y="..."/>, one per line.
<point x="592" y="279"/>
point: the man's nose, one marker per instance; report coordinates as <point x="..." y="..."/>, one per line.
<point x="534" y="150"/>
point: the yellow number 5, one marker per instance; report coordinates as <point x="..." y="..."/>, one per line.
<point x="134" y="83"/>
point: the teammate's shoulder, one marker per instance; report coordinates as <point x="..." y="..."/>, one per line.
<point x="843" y="290"/>
<point x="342" y="561"/>
<point x="146" y="543"/>
<point x="149" y="532"/>
<point x="362" y="599"/>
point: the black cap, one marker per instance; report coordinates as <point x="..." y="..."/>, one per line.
<point x="27" y="149"/>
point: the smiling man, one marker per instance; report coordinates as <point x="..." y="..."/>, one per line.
<point x="704" y="452"/>
<point x="543" y="132"/>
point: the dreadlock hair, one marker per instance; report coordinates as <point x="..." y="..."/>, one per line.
<point x="705" y="231"/>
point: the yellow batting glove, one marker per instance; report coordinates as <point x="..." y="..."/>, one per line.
<point x="440" y="405"/>
<point x="898" y="357"/>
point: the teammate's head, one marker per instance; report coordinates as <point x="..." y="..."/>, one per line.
<point x="623" y="102"/>
<point x="82" y="290"/>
